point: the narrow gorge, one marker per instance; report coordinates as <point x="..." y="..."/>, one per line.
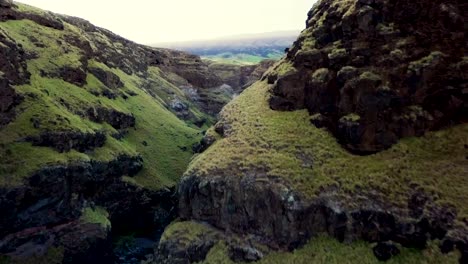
<point x="352" y="148"/>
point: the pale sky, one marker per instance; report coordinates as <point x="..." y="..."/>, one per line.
<point x="153" y="21"/>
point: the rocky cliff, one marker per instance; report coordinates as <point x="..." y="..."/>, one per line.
<point x="359" y="134"/>
<point x="95" y="131"/>
<point x="373" y="72"/>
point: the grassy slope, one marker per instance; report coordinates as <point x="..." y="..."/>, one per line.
<point x="321" y="249"/>
<point x="165" y="134"/>
<point x="285" y="144"/>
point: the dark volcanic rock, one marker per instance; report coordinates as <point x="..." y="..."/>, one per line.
<point x="8" y="100"/>
<point x="396" y="65"/>
<point x="177" y="249"/>
<point x="47" y="19"/>
<point x="386" y="250"/>
<point x="268" y="208"/>
<point x="44" y="211"/>
<point x="242" y="253"/>
<point x="177" y="252"/>
<point x="81" y="243"/>
<point x="13" y="62"/>
<point x="204" y="144"/>
<point x="73" y="75"/>
<point x="64" y="141"/>
<point x="76" y="76"/>
<point x="116" y="119"/>
<point x="56" y="194"/>
<point x="109" y="79"/>
<point x="155" y="209"/>
<point x="6" y="3"/>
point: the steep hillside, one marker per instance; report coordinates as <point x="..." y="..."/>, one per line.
<point x="359" y="134"/>
<point x="93" y="128"/>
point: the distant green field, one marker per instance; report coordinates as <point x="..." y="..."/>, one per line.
<point x="241" y="58"/>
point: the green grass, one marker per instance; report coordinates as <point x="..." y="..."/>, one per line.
<point x="96" y="215"/>
<point x="324" y="249"/>
<point x="286" y="145"/>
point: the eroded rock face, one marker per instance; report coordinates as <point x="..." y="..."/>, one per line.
<point x="377" y="70"/>
<point x="45" y="211"/>
<point x="109" y="79"/>
<point x="76" y="76"/>
<point x="6" y="3"/>
<point x="283" y="219"/>
<point x="56" y="194"/>
<point x="47" y="19"/>
<point x="80" y="242"/>
<point x="116" y="119"/>
<point x="67" y="140"/>
<point x="176" y="250"/>
<point x="8" y="100"/>
<point x="13" y="62"/>
<point x="385" y="251"/>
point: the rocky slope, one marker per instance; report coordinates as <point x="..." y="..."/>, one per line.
<point x="359" y="134"/>
<point x="95" y="131"/>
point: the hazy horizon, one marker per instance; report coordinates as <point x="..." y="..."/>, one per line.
<point x="149" y="22"/>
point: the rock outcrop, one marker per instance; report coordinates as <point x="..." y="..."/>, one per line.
<point x="9" y="99"/>
<point x="377" y="71"/>
<point x="36" y="222"/>
<point x="284" y="218"/>
<point x="116" y="119"/>
<point x="109" y="79"/>
<point x="64" y="141"/>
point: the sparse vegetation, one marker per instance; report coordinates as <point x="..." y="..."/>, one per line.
<point x="96" y="215"/>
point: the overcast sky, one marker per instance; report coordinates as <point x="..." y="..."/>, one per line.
<point x="152" y="21"/>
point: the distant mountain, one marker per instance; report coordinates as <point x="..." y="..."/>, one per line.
<point x="250" y="48"/>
